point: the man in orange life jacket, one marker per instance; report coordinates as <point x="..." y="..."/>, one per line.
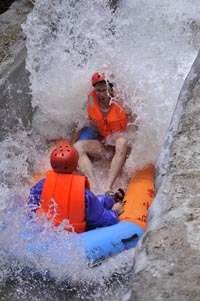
<point x="109" y="117"/>
<point x="64" y="195"/>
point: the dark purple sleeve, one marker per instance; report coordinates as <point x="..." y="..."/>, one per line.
<point x="35" y="193"/>
<point x="98" y="210"/>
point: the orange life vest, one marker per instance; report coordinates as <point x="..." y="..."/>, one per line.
<point x="114" y="121"/>
<point x="63" y="197"/>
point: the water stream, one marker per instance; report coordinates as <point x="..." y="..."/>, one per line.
<point x="149" y="47"/>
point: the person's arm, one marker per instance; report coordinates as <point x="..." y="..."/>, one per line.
<point x="35" y="194"/>
<point x="131" y="119"/>
<point x="106" y="201"/>
<point x="96" y="214"/>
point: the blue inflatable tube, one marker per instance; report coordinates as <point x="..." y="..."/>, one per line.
<point x="105" y="242"/>
<point x="97" y="244"/>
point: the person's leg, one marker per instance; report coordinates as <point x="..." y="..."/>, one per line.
<point x="85" y="148"/>
<point x="117" y="161"/>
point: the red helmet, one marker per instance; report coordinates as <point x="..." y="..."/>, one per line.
<point x="64" y="159"/>
<point x="97" y="78"/>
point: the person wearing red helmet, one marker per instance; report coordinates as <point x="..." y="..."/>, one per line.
<point x="64" y="159"/>
<point x="97" y="78"/>
<point x="109" y="115"/>
<point x="65" y="195"/>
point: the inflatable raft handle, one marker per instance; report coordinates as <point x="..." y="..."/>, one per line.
<point x="134" y="236"/>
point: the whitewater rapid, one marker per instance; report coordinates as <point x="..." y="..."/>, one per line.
<point x="148" y="46"/>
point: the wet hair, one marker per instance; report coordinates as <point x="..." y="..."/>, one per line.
<point x="105" y="82"/>
<point x="110" y="84"/>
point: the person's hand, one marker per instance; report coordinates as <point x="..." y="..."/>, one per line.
<point x="118" y="207"/>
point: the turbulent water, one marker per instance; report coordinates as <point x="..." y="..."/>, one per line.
<point x="149" y="47"/>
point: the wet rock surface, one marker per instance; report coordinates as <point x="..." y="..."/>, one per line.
<point x="15" y="96"/>
<point x="4" y="5"/>
<point x="11" y="35"/>
<point x="168" y="256"/>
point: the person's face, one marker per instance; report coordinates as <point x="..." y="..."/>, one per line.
<point x="103" y="93"/>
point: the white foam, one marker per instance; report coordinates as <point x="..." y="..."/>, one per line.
<point x="148" y="45"/>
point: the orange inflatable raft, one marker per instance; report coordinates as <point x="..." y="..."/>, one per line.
<point x="139" y="196"/>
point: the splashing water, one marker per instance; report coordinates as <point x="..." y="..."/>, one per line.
<point x="149" y="46"/>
